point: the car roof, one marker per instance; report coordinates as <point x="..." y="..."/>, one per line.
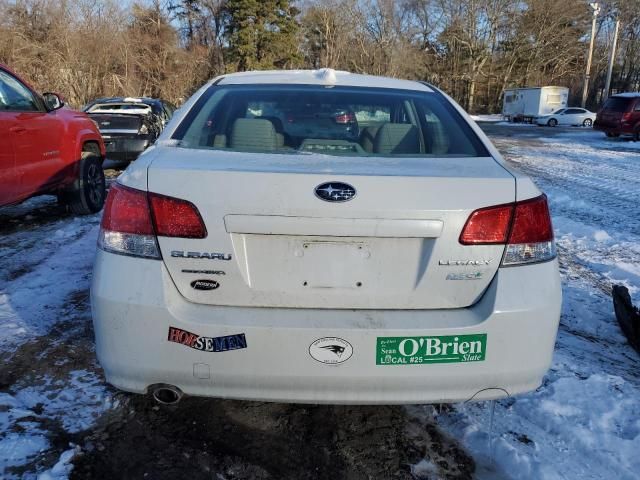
<point x="323" y="76"/>
<point x="145" y="100"/>
<point x="627" y="95"/>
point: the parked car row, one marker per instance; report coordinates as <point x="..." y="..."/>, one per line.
<point x="50" y="149"/>
<point x="620" y="115"/>
<point x="547" y="106"/>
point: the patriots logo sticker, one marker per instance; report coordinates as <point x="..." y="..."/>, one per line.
<point x="331" y="350"/>
<point x="337" y="349"/>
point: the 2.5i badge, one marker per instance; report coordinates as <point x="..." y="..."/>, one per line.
<point x="438" y="349"/>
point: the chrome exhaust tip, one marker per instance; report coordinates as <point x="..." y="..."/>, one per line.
<point x="166" y="394"/>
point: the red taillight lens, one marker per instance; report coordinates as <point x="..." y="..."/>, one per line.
<point x="626" y="117"/>
<point x="487" y="226"/>
<point x="127" y="211"/>
<point x="531" y="222"/>
<point x="348" y="117"/>
<point x="523" y="222"/>
<point x="174" y="217"/>
<point x="133" y="218"/>
<point x="525" y="227"/>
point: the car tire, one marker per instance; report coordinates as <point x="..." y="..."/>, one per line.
<point x="552" y="122"/>
<point x="88" y="192"/>
<point x="636" y="134"/>
<point x="612" y="135"/>
<point x="587" y="122"/>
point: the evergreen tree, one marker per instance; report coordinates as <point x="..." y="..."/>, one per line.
<point x="262" y="34"/>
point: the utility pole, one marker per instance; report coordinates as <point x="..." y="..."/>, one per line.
<point x="612" y="58"/>
<point x="596" y="10"/>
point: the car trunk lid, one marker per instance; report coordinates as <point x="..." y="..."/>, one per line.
<point x="273" y="242"/>
<point x="115" y="123"/>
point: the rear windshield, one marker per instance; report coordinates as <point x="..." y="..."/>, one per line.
<point x="348" y="121"/>
<point x="617" y="104"/>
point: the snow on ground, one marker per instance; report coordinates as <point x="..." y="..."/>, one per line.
<point x="584" y="421"/>
<point x="62" y="469"/>
<point x="493" y="117"/>
<point x="44" y="281"/>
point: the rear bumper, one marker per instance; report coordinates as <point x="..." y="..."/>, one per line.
<point x="125" y="148"/>
<point x="135" y="302"/>
<point x="618" y="128"/>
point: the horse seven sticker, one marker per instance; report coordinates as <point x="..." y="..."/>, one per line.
<point x="433" y="349"/>
<point x="207" y="344"/>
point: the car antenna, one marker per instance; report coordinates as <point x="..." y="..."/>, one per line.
<point x="328" y="75"/>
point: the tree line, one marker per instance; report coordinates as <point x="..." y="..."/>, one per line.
<point x="472" y="49"/>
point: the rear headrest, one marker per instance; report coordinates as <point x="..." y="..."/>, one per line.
<point x="437" y="138"/>
<point x="397" y="138"/>
<point x="367" y="137"/>
<point x="277" y="123"/>
<point x="253" y="134"/>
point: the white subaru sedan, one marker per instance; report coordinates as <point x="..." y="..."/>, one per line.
<point x="324" y="237"/>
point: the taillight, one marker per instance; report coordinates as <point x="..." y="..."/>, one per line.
<point x="176" y="218"/>
<point x="531" y="222"/>
<point x="343" y="118"/>
<point x="626" y="116"/>
<point x="525" y="227"/>
<point x="487" y="226"/>
<point x="132" y="219"/>
<point x="126" y="226"/>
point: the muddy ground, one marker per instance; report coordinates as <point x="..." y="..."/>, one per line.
<point x="49" y="356"/>
<point x="199" y="438"/>
<point x="202" y="438"/>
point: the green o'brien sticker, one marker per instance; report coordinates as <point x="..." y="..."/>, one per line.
<point x="421" y="350"/>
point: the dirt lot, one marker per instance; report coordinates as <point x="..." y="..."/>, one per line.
<point x="131" y="437"/>
<point x="53" y="398"/>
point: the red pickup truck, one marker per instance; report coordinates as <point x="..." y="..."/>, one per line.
<point x="47" y="149"/>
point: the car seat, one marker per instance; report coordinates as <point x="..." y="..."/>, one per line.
<point x="253" y="134"/>
<point x="397" y="138"/>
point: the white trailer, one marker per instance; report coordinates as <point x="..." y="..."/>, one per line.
<point x="525" y="104"/>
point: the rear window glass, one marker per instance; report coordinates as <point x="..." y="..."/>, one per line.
<point x="347" y="121"/>
<point x="617" y="104"/>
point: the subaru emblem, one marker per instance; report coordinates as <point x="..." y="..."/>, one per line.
<point x="335" y="192"/>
